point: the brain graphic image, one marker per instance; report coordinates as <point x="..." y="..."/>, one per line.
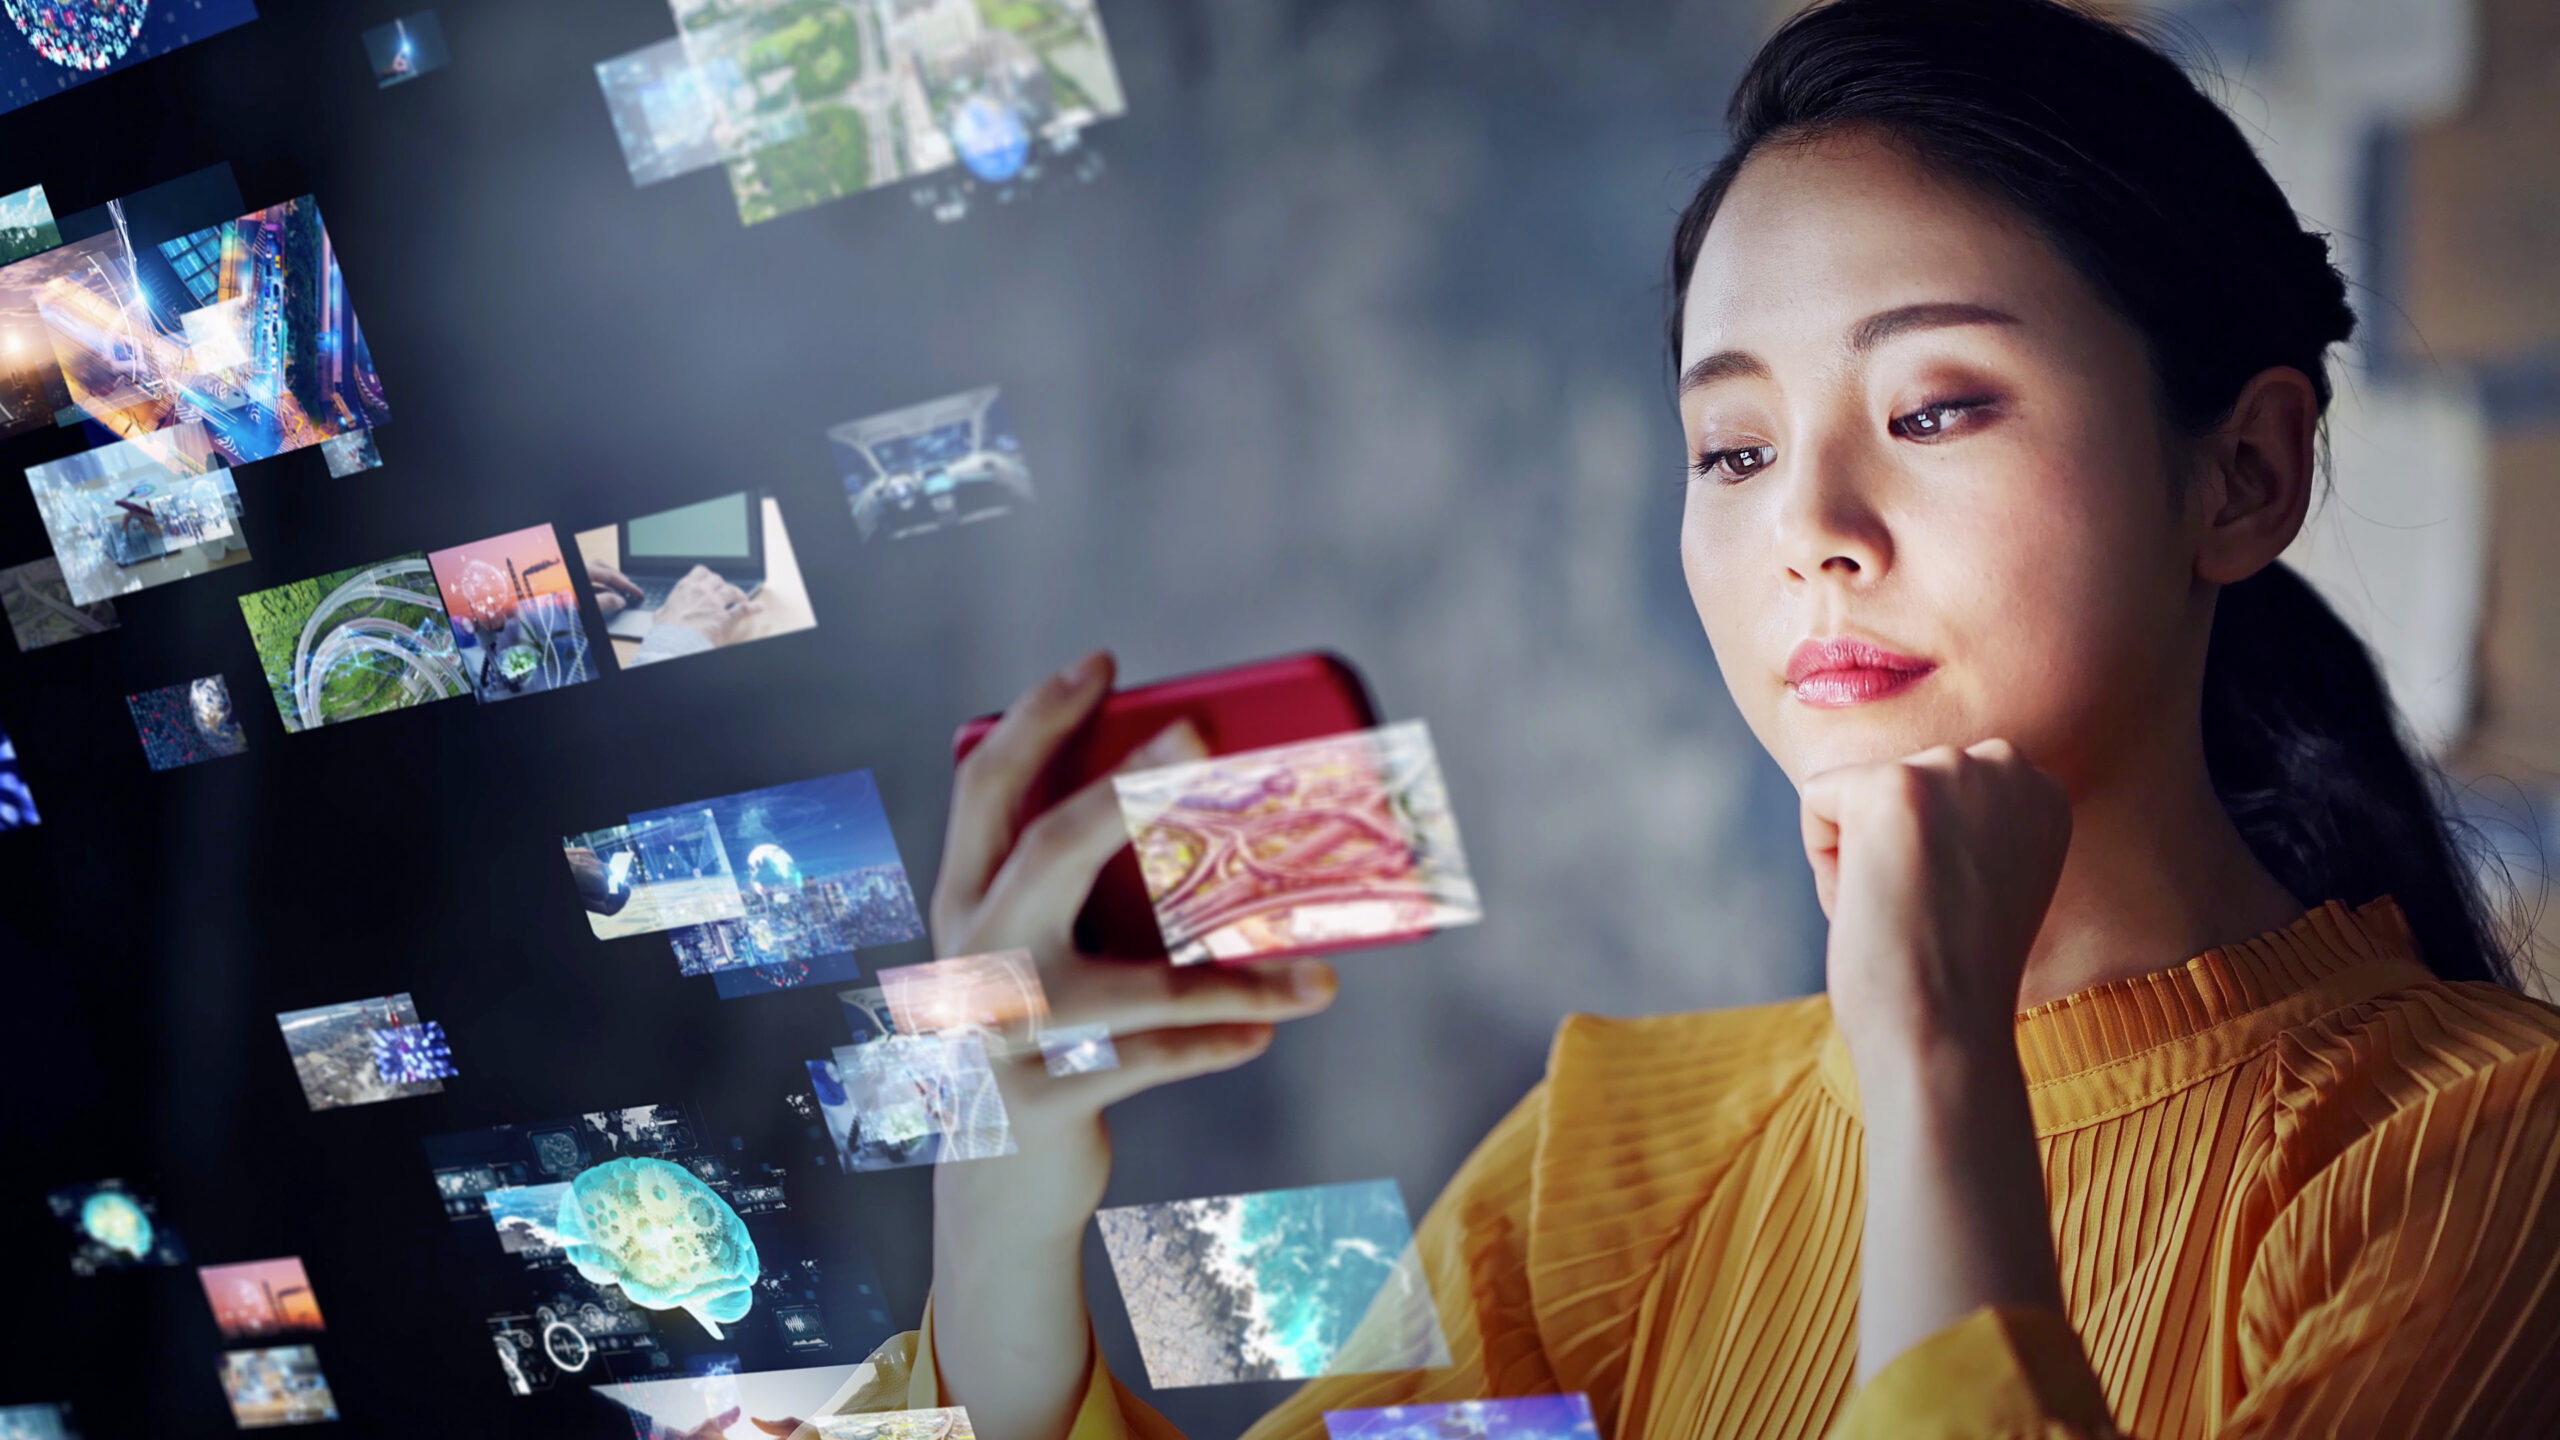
<point x="113" y="1220"/>
<point x="83" y="34"/>
<point x="671" y="1243"/>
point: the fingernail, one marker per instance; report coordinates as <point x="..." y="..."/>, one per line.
<point x="1175" y="742"/>
<point x="1082" y="672"/>
<point x="1312" y="981"/>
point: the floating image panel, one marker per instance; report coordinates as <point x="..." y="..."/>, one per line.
<point x="653" y="875"/>
<point x="912" y="1100"/>
<point x="997" y="995"/>
<point x="1526" y="1417"/>
<point x="1342" y="841"/>
<point x="742" y="980"/>
<point x="928" y="467"/>
<point x="1278" y="1285"/>
<point x="408" y="1054"/>
<point x="351" y="454"/>
<point x="242" y="329"/>
<point x="51" y="45"/>
<point x="515" y="614"/>
<point x="589" y="1297"/>
<point x="405" y="49"/>
<point x="704" y="576"/>
<point x="356" y="643"/>
<point x="527" y="1216"/>
<point x="691" y="1405"/>
<point x="26" y="224"/>
<point x="866" y="1013"/>
<point x="1079" y="1050"/>
<point x="333" y="1051"/>
<point x="818" y="874"/>
<point x="674" y="117"/>
<point x="114" y="1227"/>
<point x="278" y="1386"/>
<point x="17" y="803"/>
<point x="187" y="724"/>
<point x="41" y="610"/>
<point x="890" y="92"/>
<point x="128" y="516"/>
<point x="949" y="1423"/>
<point x="37" y="1422"/>
<point x="258" y="1298"/>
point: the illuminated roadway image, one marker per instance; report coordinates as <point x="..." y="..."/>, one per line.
<point x="356" y="643"/>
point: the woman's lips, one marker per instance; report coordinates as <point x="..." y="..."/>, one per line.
<point x="1854" y="685"/>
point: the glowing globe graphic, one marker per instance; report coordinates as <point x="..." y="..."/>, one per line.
<point x="990" y="138"/>
<point x="83" y="34"/>
<point x="113" y="1220"/>
<point x="770" y="867"/>
<point x="484" y="594"/>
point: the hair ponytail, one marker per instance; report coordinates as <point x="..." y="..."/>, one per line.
<point x="2306" y="755"/>
<point x="2150" y="191"/>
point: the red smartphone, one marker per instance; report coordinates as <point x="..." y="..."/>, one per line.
<point x="1267" y="702"/>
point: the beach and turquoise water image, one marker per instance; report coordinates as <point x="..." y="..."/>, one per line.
<point x="1523" y="1417"/>
<point x="1277" y="1285"/>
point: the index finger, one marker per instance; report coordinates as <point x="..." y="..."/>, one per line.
<point x="993" y="785"/>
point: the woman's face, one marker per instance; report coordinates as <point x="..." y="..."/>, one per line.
<point x="1914" y="424"/>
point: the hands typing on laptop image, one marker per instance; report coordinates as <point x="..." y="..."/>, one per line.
<point x="680" y="582"/>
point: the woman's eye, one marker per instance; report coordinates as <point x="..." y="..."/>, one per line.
<point x="1939" y="418"/>
<point x="1732" y="463"/>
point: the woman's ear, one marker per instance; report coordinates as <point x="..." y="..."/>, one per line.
<point x="2258" y="468"/>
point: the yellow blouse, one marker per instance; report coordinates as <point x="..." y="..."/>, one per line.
<point x="2299" y="1186"/>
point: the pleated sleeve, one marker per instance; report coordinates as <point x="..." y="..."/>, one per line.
<point x="2407" y="1288"/>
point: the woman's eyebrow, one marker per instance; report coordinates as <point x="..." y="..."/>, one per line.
<point x="1864" y="336"/>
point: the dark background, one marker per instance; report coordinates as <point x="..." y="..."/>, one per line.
<point x="1355" y="344"/>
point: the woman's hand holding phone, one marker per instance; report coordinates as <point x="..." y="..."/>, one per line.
<point x="1011" y="1339"/>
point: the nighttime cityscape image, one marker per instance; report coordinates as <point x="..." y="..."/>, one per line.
<point x="1280" y="719"/>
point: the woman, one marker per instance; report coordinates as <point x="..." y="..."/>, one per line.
<point x="2167" y="1078"/>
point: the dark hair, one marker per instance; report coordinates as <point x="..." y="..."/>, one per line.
<point x="2143" y="183"/>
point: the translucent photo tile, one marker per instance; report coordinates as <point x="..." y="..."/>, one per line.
<point x="971" y="91"/>
<point x="67" y="45"/>
<point x="409" y="1054"/>
<point x="818" y="874"/>
<point x="949" y="1423"/>
<point x="41" y="611"/>
<point x="912" y="1100"/>
<point x="351" y="454"/>
<point x="405" y="49"/>
<point x="515" y="615"/>
<point x="1524" y="1417"/>
<point x="944" y="463"/>
<point x="757" y="1402"/>
<point x="129" y="516"/>
<point x="256" y="1299"/>
<point x="187" y="724"/>
<point x="651" y="875"/>
<point x="1338" y="842"/>
<point x="355" y="643"/>
<point x="51" y="1421"/>
<point x="1277" y="1285"/>
<point x="333" y="1050"/>
<point x="997" y="995"/>
<point x="26" y="224"/>
<point x="697" y="578"/>
<point x="1079" y="1050"/>
<point x="280" y="1385"/>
